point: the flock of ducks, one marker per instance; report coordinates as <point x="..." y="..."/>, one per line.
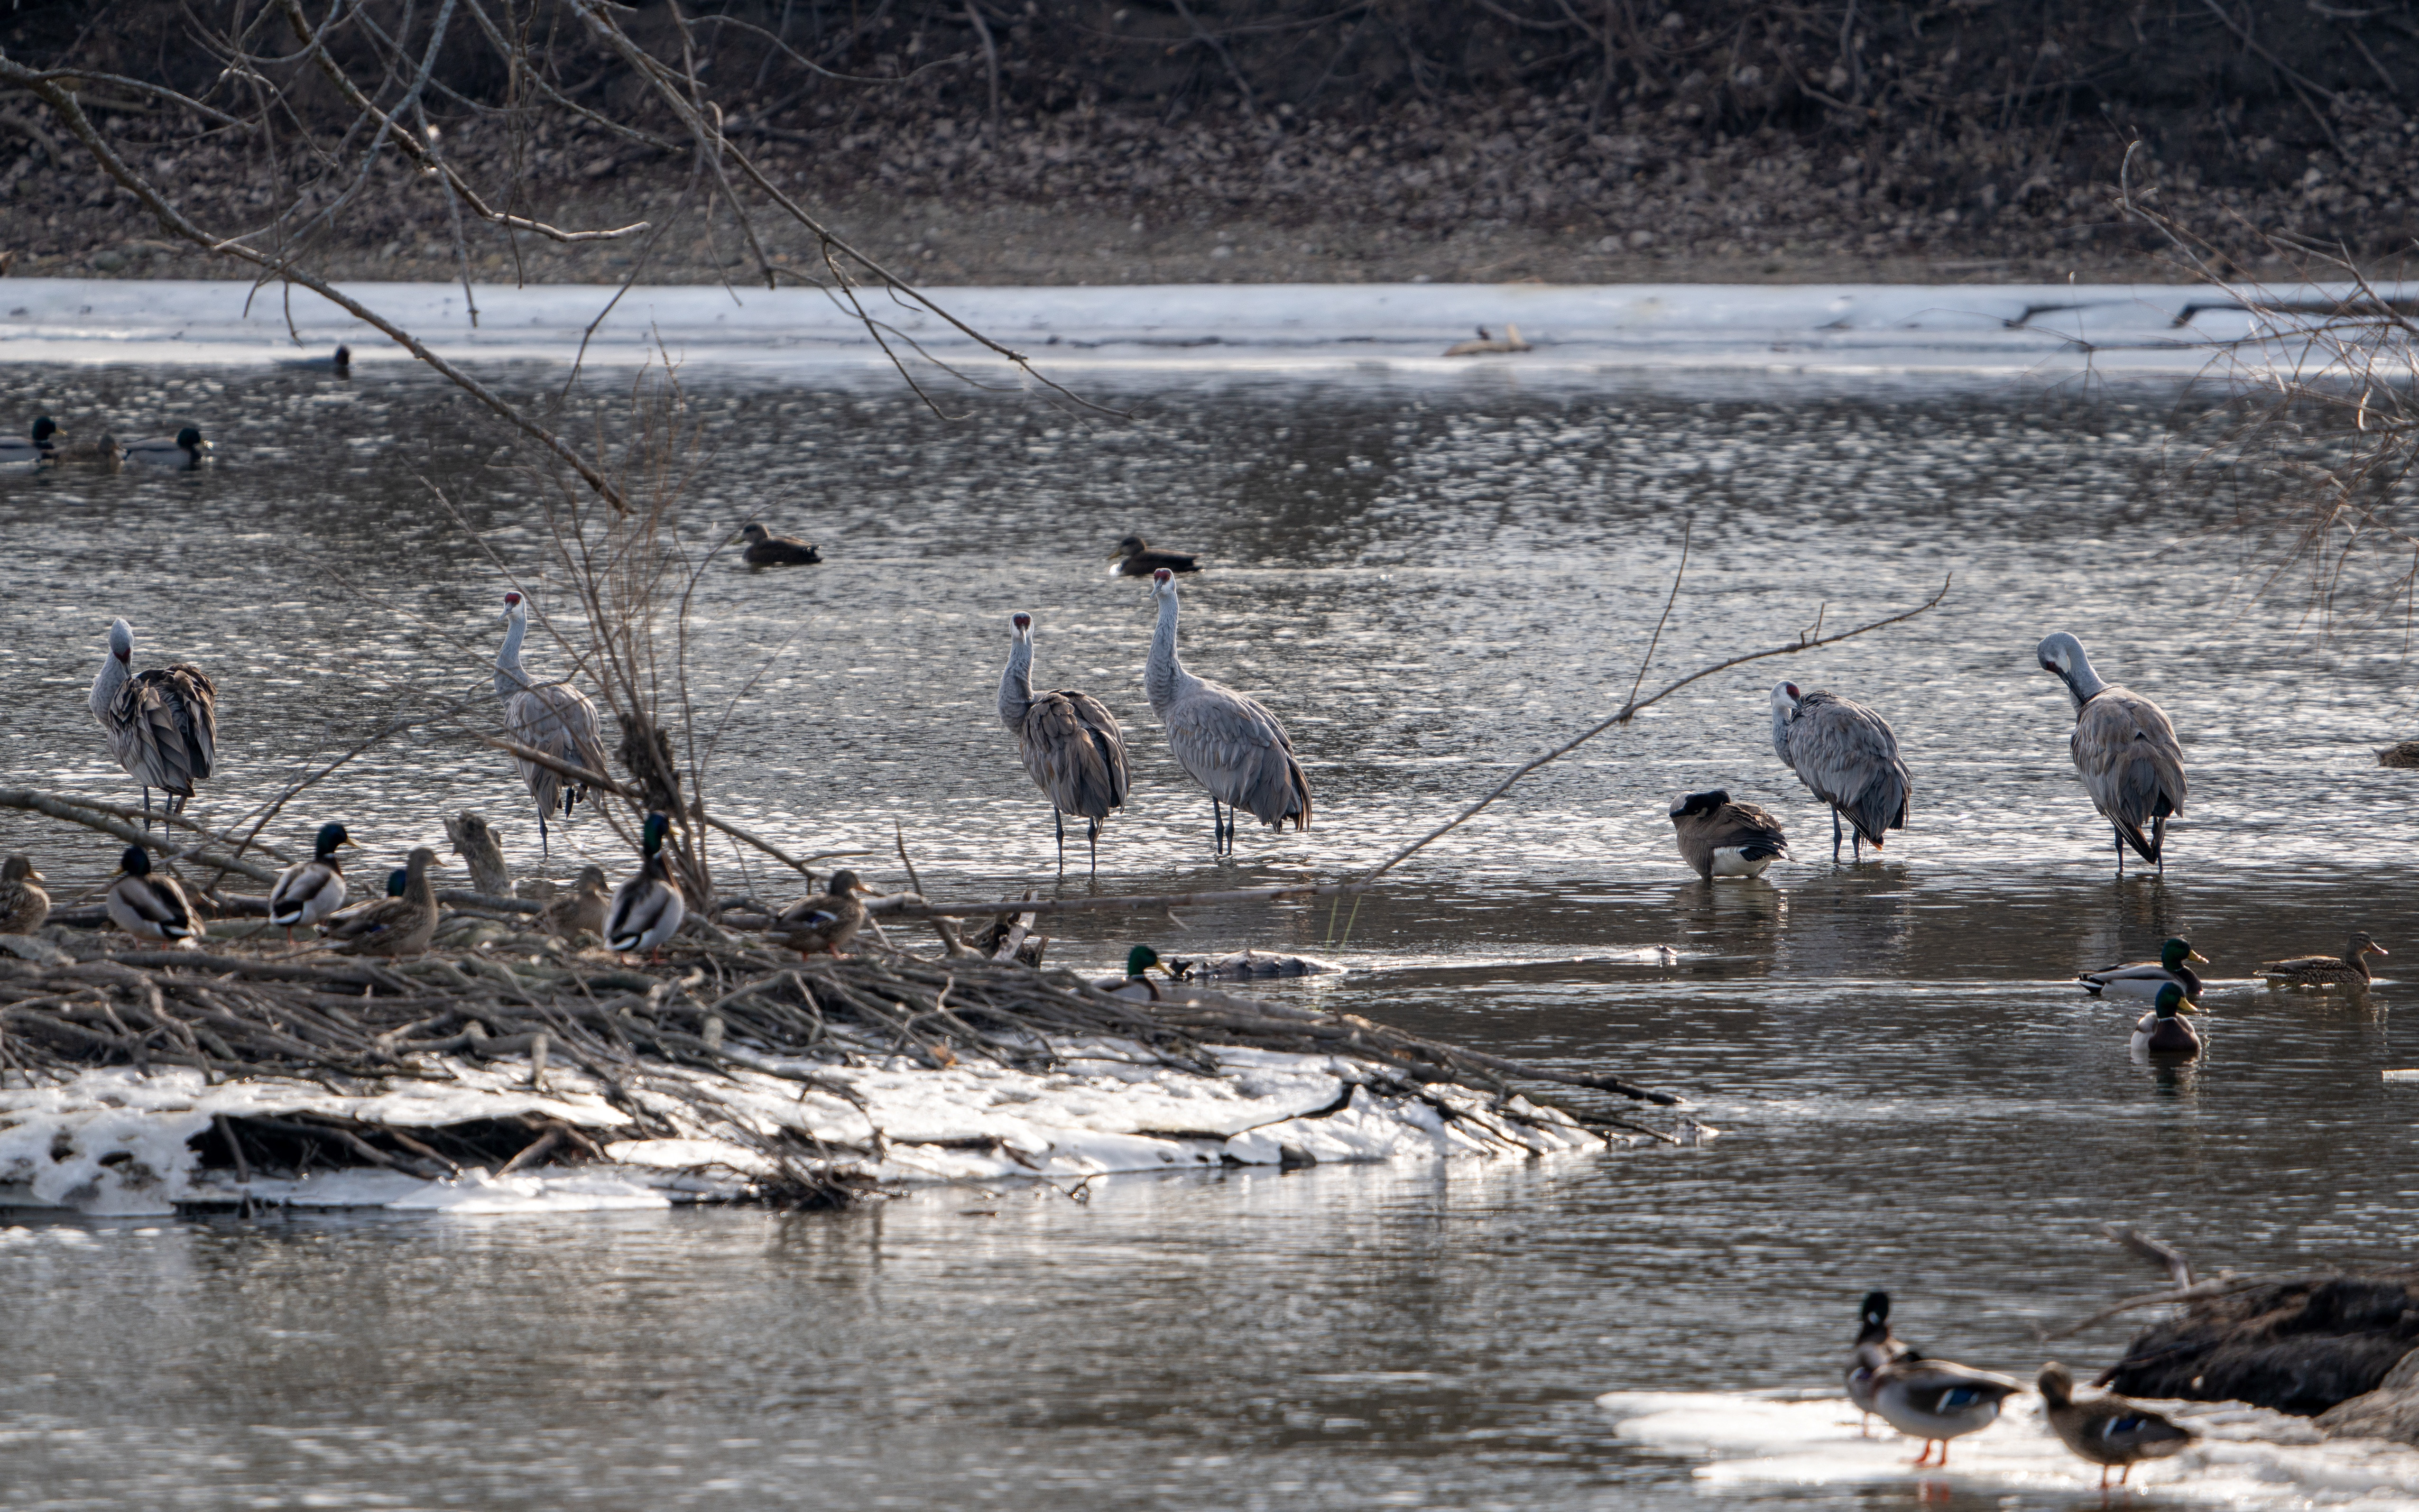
<point x="1935" y="1401"/>
<point x="51" y="446"/>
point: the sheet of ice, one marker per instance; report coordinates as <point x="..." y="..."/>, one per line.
<point x="1395" y="329"/>
<point x="114" y="1141"/>
<point x="2247" y="1457"/>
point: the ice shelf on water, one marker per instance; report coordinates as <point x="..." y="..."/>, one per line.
<point x="1398" y="330"/>
<point x="2247" y="1456"/>
<point x="117" y="1141"/>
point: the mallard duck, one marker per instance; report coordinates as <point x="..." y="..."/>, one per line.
<point x="824" y="920"/>
<point x="1134" y="558"/>
<point x="475" y="842"/>
<point x="648" y="908"/>
<point x="1936" y="1401"/>
<point x="1722" y="838"/>
<point x="401" y="925"/>
<point x="582" y="908"/>
<point x="2143" y="978"/>
<point x="340" y="362"/>
<point x="185" y="449"/>
<point x="44" y="447"/>
<point x="2405" y="753"/>
<point x="1875" y="1347"/>
<point x="1135" y="985"/>
<point x="765" y="549"/>
<point x="2345" y="970"/>
<point x="2159" y="1031"/>
<point x="149" y="907"/>
<point x="310" y="890"/>
<point x="24" y="905"/>
<point x="2109" y="1431"/>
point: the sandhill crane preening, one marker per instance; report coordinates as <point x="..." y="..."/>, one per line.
<point x="1722" y="838"/>
<point x="1227" y="742"/>
<point x="162" y="724"/>
<point x="554" y="718"/>
<point x="1070" y="741"/>
<point x="1846" y="756"/>
<point x="2126" y="749"/>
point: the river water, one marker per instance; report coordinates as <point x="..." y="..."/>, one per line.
<point x="1429" y="584"/>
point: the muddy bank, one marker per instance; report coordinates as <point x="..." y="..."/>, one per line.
<point x="2331" y="1346"/>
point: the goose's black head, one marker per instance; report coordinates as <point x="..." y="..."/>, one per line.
<point x="1709" y="802"/>
<point x="754" y="532"/>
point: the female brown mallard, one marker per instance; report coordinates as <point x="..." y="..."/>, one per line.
<point x="149" y="907"/>
<point x="581" y="909"/>
<point x="394" y="926"/>
<point x="825" y="921"/>
<point x="765" y="549"/>
<point x="1134" y="558"/>
<point x="24" y="905"/>
<point x="2345" y="970"/>
<point x="2109" y="1431"/>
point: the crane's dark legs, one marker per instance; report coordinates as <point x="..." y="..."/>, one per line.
<point x="1217" y="828"/>
<point x="1835" y="837"/>
<point x="2159" y="843"/>
<point x="2121" y="851"/>
<point x="146" y="810"/>
<point x="1092" y="838"/>
<point x="1059" y="821"/>
<point x="542" y="850"/>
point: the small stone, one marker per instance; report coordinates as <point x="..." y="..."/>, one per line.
<point x="110" y="261"/>
<point x="1642" y="238"/>
<point x="1222" y="251"/>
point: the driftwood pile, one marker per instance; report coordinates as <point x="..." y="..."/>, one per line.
<point x="713" y="1005"/>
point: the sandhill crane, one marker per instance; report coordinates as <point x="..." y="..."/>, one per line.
<point x="1137" y="558"/>
<point x="1722" y="838"/>
<point x="1846" y="756"/>
<point x="162" y="724"/>
<point x="2126" y="749"/>
<point x="553" y="717"/>
<point x="1227" y="742"/>
<point x="1070" y="741"/>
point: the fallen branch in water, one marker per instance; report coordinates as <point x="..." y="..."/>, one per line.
<point x="909" y="905"/>
<point x="104" y="818"/>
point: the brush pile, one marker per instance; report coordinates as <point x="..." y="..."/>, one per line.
<point x="695" y="1048"/>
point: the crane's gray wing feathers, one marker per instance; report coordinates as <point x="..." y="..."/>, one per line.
<point x="1846" y="756"/>
<point x="1235" y="747"/>
<point x="1076" y="752"/>
<point x="560" y="721"/>
<point x="2131" y="762"/>
<point x="163" y="728"/>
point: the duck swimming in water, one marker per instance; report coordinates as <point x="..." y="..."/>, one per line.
<point x="765" y="549"/>
<point x="185" y="449"/>
<point x="1137" y="558"/>
<point x="43" y="446"/>
<point x="2143" y="978"/>
<point x="1135" y="985"/>
<point x="2161" y="1031"/>
<point x="2345" y="970"/>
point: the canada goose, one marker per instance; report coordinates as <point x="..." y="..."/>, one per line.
<point x="147" y="907"/>
<point x="1847" y="756"/>
<point x="2125" y="747"/>
<point x="308" y="891"/>
<point x="1135" y="984"/>
<point x="1722" y="838"/>
<point x="1936" y="1401"/>
<point x="394" y="926"/>
<point x="24" y="905"/>
<point x="581" y="909"/>
<point x="44" y="447"/>
<point x="2143" y="978"/>
<point x="765" y="549"/>
<point x="648" y="909"/>
<point x="185" y="449"/>
<point x="1137" y="558"/>
<point x="2109" y="1431"/>
<point x="1875" y="1347"/>
<point x="2345" y="970"/>
<point x="1509" y="342"/>
<point x="2161" y="1031"/>
<point x="825" y="921"/>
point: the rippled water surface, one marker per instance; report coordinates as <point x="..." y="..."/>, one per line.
<point x="1429" y="585"/>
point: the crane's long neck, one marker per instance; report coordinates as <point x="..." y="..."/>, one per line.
<point x="510" y="680"/>
<point x="2082" y="684"/>
<point x="1016" y="686"/>
<point x="108" y="686"/>
<point x="1164" y="677"/>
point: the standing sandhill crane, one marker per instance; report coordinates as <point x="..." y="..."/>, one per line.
<point x="1227" y="742"/>
<point x="1846" y="756"/>
<point x="1070" y="741"/>
<point x="162" y="724"/>
<point x="554" y="718"/>
<point x="2126" y="749"/>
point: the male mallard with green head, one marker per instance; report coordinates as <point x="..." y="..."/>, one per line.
<point x="310" y="890"/>
<point x="1137" y="985"/>
<point x="2143" y="978"/>
<point x="44" y="447"/>
<point x="2162" y="1030"/>
<point x="1875" y="1347"/>
<point x="150" y="907"/>
<point x="824" y="920"/>
<point x="2109" y="1431"/>
<point x="2345" y="970"/>
<point x="1936" y="1401"/>
<point x="394" y="926"/>
<point x="647" y="909"/>
<point x="24" y="905"/>
<point x="185" y="449"/>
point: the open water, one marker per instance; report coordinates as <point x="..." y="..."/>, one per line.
<point x="1429" y="584"/>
